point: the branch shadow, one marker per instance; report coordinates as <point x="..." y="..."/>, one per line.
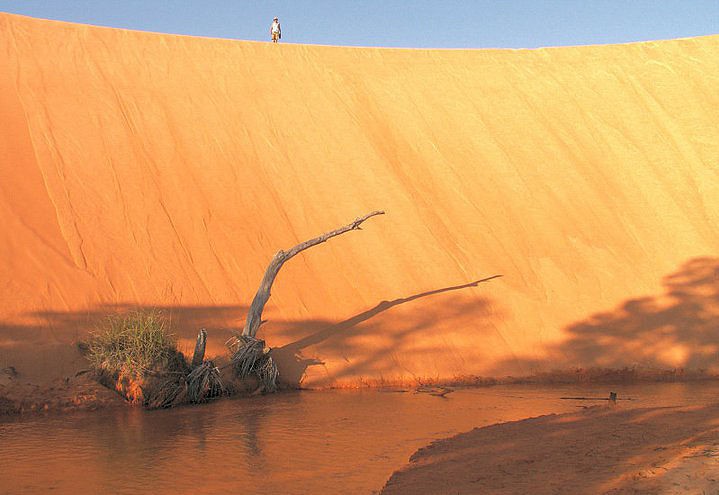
<point x="52" y="331"/>
<point x="666" y="336"/>
<point x="294" y="365"/>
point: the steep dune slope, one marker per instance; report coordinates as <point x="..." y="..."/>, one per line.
<point x="140" y="169"/>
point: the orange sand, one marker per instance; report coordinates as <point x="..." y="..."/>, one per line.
<point x="642" y="451"/>
<point x="140" y="169"/>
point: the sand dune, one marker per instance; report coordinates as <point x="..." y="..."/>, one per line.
<point x="140" y="169"/>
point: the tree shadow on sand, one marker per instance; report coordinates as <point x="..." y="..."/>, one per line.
<point x="671" y="334"/>
<point x="221" y="322"/>
<point x="295" y="365"/>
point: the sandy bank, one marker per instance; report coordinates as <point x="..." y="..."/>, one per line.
<point x="55" y="377"/>
<point x="50" y="378"/>
<point x="600" y="450"/>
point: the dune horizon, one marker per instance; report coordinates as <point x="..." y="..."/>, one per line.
<point x="547" y="210"/>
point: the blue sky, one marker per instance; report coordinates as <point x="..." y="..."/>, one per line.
<point x="398" y="23"/>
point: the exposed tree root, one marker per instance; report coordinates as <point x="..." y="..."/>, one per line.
<point x="250" y="357"/>
<point x="204" y="383"/>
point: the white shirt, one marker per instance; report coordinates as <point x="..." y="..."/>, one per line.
<point x="275" y="27"/>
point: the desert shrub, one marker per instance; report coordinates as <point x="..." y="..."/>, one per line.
<point x="132" y="344"/>
<point x="136" y="354"/>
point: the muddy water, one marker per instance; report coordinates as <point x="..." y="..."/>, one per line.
<point x="304" y="442"/>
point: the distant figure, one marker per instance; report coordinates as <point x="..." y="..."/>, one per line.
<point x="275" y="30"/>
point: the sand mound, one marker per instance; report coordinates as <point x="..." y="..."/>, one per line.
<point x="151" y="170"/>
<point x="668" y="450"/>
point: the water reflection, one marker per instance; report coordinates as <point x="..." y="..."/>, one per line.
<point x="305" y="442"/>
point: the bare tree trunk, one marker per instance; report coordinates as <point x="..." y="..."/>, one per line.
<point x="199" y="356"/>
<point x="254" y="316"/>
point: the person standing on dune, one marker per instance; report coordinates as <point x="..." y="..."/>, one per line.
<point x="275" y="30"/>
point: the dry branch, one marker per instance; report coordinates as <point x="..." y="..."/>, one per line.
<point x="254" y="316"/>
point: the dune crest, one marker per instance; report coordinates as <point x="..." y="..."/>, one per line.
<point x="140" y="169"/>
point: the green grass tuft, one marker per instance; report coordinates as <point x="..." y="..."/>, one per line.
<point x="137" y="343"/>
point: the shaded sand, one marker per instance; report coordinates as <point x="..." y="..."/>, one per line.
<point x="50" y="378"/>
<point x="60" y="395"/>
<point x="601" y="450"/>
<point x="577" y="186"/>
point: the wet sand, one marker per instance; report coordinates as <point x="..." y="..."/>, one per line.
<point x="668" y="450"/>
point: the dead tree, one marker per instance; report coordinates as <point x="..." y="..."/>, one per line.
<point x="254" y="316"/>
<point x="249" y="354"/>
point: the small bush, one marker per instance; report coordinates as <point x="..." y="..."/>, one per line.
<point x="137" y="356"/>
<point x="132" y="344"/>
